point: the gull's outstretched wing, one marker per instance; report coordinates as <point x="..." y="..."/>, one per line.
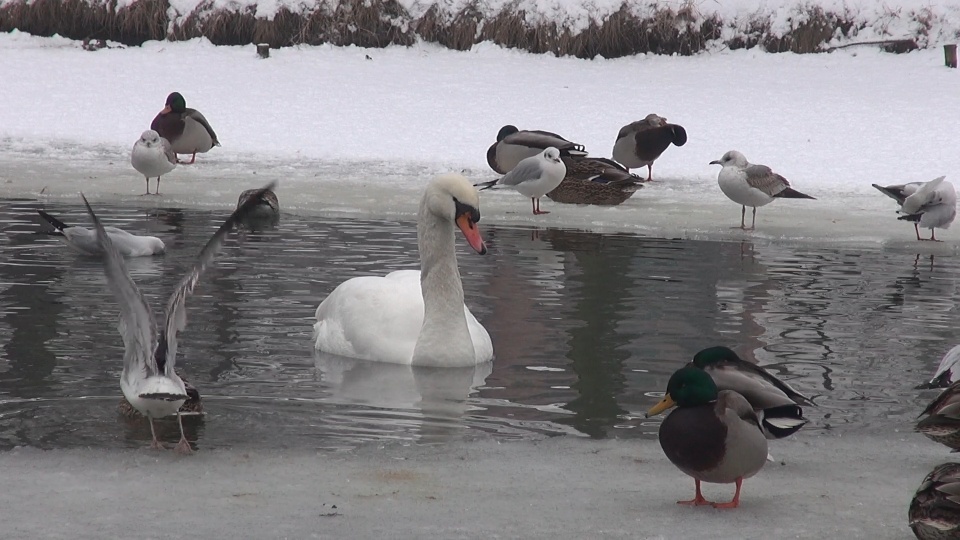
<point x="137" y="325"/>
<point x="176" y="316"/>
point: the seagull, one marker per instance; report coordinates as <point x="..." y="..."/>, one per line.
<point x="514" y="145"/>
<point x="753" y="185"/>
<point x="149" y="381"/>
<point x="641" y="143"/>
<point x="186" y="129"/>
<point x="152" y="156"/>
<point x="84" y="240"/>
<point x="927" y="204"/>
<point x="534" y="177"/>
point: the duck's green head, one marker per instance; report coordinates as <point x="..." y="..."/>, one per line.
<point x="714" y="355"/>
<point x="688" y="387"/>
<point x="175" y="103"/>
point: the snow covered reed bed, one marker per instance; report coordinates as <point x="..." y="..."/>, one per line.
<point x="607" y="28"/>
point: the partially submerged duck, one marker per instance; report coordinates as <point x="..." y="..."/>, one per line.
<point x="935" y="509"/>
<point x="265" y="212"/>
<point x="599" y="181"/>
<point x="713" y="435"/>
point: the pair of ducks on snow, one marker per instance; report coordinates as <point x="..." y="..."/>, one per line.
<point x="726" y="407"/>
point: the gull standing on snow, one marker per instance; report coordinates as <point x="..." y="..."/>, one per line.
<point x="84" y="240"/>
<point x="534" y="177"/>
<point x="149" y="381"/>
<point x="927" y="204"/>
<point x="513" y="146"/>
<point x="186" y="129"/>
<point x="753" y="185"/>
<point x="153" y="156"/>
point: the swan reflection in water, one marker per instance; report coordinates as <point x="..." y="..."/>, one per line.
<point x="438" y="398"/>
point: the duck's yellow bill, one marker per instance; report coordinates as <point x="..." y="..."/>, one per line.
<point x="664" y="404"/>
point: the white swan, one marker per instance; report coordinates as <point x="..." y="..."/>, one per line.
<point x="409" y="316"/>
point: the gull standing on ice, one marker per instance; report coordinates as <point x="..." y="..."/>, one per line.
<point x="149" y="381"/>
<point x="85" y="241"/>
<point x="927" y="204"/>
<point x="186" y="129"/>
<point x="513" y="146"/>
<point x="534" y="177"/>
<point x="748" y="184"/>
<point x="640" y="143"/>
<point x="153" y="156"/>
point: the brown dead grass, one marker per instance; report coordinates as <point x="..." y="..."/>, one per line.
<point x="379" y="23"/>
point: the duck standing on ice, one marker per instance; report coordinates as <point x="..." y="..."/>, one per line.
<point x="186" y="129"/>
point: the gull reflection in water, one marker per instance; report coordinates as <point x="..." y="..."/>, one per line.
<point x="438" y="397"/>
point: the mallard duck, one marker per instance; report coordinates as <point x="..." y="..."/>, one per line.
<point x="84" y="240"/>
<point x="186" y="129"/>
<point x="513" y="146"/>
<point x="929" y="205"/>
<point x="265" y="212"/>
<point x="534" y="177"/>
<point x="598" y="181"/>
<point x="152" y="156"/>
<point x="640" y="143"/>
<point x="149" y="381"/>
<point x="948" y="372"/>
<point x="193" y="406"/>
<point x="749" y="184"/>
<point x="713" y="435"/>
<point x="774" y="399"/>
<point x="935" y="509"/>
<point x="942" y="422"/>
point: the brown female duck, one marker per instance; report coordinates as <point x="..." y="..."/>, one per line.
<point x="598" y="181"/>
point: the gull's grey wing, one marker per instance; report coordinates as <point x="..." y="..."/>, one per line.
<point x="176" y="317"/>
<point x="137" y="325"/>
<point x="198" y="116"/>
<point x="529" y="169"/>
<point x="168" y="148"/>
<point x="763" y="178"/>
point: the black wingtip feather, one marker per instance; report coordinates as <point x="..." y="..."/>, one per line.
<point x="791" y="193"/>
<point x="792" y="413"/>
<point x="486" y="185"/>
<point x="57" y="224"/>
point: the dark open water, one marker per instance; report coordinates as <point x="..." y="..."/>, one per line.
<point x="587" y="328"/>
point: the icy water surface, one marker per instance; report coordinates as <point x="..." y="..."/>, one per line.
<point x="587" y="328"/>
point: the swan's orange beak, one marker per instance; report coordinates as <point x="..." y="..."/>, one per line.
<point x="471" y="233"/>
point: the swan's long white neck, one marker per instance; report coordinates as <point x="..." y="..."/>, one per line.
<point x="444" y="338"/>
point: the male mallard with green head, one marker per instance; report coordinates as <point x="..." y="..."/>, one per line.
<point x="186" y="129"/>
<point x="935" y="509"/>
<point x="778" y="402"/>
<point x="713" y="436"/>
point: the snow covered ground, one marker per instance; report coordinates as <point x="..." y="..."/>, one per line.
<point x="359" y="131"/>
<point x="857" y="486"/>
<point x="353" y="135"/>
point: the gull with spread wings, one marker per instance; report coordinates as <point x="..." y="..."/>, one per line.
<point x="149" y="381"/>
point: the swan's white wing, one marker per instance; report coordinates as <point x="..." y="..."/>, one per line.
<point x="176" y="316"/>
<point x="372" y="318"/>
<point x="482" y="344"/>
<point x="137" y="325"/>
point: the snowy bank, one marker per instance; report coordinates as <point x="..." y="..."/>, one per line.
<point x="821" y="486"/>
<point x="351" y="135"/>
<point x="605" y="28"/>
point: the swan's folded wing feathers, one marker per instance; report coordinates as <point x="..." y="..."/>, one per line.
<point x="176" y="316"/>
<point x="137" y="324"/>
